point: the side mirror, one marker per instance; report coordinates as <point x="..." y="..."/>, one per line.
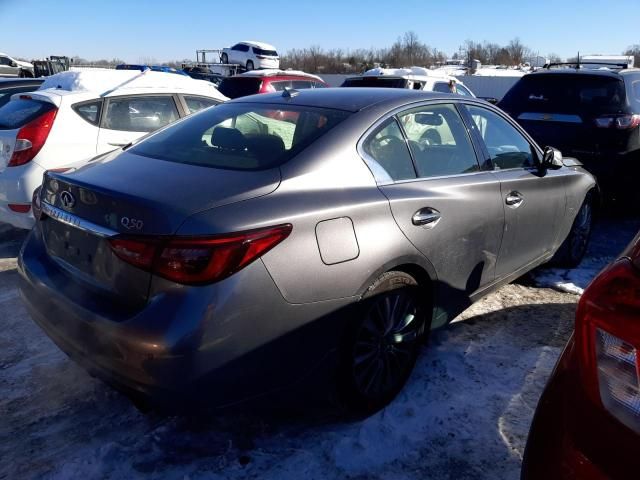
<point x="552" y="158"/>
<point x="13" y="64"/>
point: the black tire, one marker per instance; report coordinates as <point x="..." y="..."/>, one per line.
<point x="224" y="58"/>
<point x="22" y="74"/>
<point x="382" y="343"/>
<point x="573" y="249"/>
<point x="249" y="65"/>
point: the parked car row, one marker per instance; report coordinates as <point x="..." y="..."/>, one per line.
<point x="10" y="67"/>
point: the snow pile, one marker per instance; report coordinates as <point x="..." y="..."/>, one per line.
<point x="106" y="82"/>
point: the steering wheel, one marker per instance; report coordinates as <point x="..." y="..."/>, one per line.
<point x="388" y="142"/>
<point x="431" y="137"/>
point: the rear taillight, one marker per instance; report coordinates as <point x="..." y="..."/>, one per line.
<point x="198" y="260"/>
<point x="31" y="138"/>
<point x="621" y="122"/>
<point x="608" y="337"/>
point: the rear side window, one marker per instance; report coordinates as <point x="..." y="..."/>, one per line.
<point x="19" y="112"/>
<point x="319" y="85"/>
<point x="636" y="90"/>
<point x="566" y="93"/>
<point x="442" y="87"/>
<point x="299" y="84"/>
<point x="280" y="85"/>
<point x="235" y="87"/>
<point x="89" y="111"/>
<point x="241" y="136"/>
<point x="139" y="114"/>
<point x="195" y="104"/>
<point x="387" y="150"/>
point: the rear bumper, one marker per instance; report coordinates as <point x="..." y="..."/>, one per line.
<point x="212" y="345"/>
<point x="572" y="439"/>
<point x="16" y="187"/>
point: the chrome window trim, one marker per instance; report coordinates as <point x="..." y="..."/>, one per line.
<point x="74" y="221"/>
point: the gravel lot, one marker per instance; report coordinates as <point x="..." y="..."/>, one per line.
<point x="464" y="414"/>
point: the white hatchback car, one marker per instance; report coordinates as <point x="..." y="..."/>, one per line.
<point x="251" y="55"/>
<point x="75" y="116"/>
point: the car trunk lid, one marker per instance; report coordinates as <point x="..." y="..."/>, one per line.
<point x="125" y="194"/>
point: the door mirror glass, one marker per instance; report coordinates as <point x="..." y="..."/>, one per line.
<point x="552" y="158"/>
<point x="13" y="64"/>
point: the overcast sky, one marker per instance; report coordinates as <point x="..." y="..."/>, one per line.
<point x="170" y="30"/>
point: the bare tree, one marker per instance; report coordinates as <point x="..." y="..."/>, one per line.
<point x="635" y="51"/>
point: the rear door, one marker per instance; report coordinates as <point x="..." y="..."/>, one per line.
<point x="533" y="200"/>
<point x="128" y="118"/>
<point x="445" y="203"/>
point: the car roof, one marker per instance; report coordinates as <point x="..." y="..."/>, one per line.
<point x="349" y="99"/>
<point x="274" y="72"/>
<point x="262" y="45"/>
<point x="602" y="72"/>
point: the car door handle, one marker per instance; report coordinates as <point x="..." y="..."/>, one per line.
<point x="426" y="216"/>
<point x="514" y="199"/>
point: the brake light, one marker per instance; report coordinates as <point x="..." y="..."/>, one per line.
<point x="621" y="122"/>
<point x="608" y="338"/>
<point x="198" y="260"/>
<point x="31" y="138"/>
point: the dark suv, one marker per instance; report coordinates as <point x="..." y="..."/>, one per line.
<point x="590" y="114"/>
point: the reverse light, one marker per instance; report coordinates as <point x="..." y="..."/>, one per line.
<point x="31" y="138"/>
<point x="621" y="122"/>
<point x="198" y="260"/>
<point x="608" y="339"/>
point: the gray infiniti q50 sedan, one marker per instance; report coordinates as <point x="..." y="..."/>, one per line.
<point x="256" y="243"/>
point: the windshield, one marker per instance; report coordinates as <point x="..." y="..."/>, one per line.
<point x="566" y="93"/>
<point x="235" y="87"/>
<point x="375" y="82"/>
<point x="241" y="136"/>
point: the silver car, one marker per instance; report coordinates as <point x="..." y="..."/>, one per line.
<point x="303" y="235"/>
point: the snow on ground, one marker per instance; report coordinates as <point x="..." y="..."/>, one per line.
<point x="464" y="414"/>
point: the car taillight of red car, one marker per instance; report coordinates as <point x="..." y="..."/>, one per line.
<point x="31" y="137"/>
<point x="608" y="339"/>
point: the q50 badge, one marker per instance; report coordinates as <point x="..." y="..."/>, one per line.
<point x="131" y="223"/>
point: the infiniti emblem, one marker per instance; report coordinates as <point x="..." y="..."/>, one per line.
<point x="67" y="199"/>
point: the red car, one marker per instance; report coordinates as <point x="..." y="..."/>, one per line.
<point x="587" y="424"/>
<point x="268" y="81"/>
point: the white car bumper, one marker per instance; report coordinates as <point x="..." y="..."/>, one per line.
<point x="16" y="187"/>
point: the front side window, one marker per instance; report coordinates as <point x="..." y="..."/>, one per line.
<point x="439" y="141"/>
<point x="319" y="85"/>
<point x="5" y="61"/>
<point x="195" y="104"/>
<point x="140" y="114"/>
<point x="387" y="154"/>
<point x="507" y="147"/>
<point x="241" y="136"/>
<point x="462" y="90"/>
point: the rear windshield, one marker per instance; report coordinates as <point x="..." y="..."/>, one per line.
<point x="234" y="87"/>
<point x="241" y="136"/>
<point x="566" y="93"/>
<point x="260" y="51"/>
<point x="17" y="113"/>
<point x="375" y="82"/>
